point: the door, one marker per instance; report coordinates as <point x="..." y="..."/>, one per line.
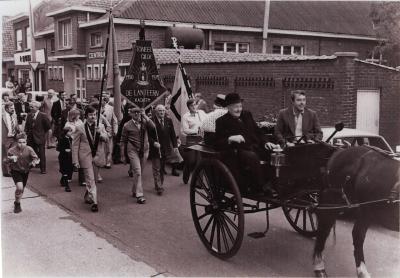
<point x="80" y="83"/>
<point x="368" y="102"/>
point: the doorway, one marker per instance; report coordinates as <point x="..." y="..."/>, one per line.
<point x="368" y="103"/>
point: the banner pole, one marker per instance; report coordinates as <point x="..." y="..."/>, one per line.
<point x="104" y="69"/>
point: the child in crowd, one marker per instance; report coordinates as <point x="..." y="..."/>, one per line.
<point x="65" y="157"/>
<point x="21" y="158"/>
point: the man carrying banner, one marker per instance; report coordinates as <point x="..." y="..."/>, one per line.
<point x="135" y="143"/>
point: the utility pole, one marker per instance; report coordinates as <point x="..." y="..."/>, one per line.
<point x="33" y="62"/>
<point x="265" y="26"/>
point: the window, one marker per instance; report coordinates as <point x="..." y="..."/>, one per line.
<point x="230" y="47"/>
<point x="52" y="45"/>
<point x="65" y="33"/>
<point x="89" y="70"/>
<point x="219" y="46"/>
<point x="55" y="73"/>
<point x="61" y="73"/>
<point x="237" y="47"/>
<point x="51" y="73"/>
<point x="243" y="48"/>
<point x="95" y="39"/>
<point x="96" y="73"/>
<point x="288" y="49"/>
<point x="18" y="35"/>
<point x="28" y="37"/>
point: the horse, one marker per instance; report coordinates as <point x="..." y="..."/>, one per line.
<point x="362" y="178"/>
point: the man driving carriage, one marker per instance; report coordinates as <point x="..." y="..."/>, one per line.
<point x="240" y="140"/>
<point x="297" y="121"/>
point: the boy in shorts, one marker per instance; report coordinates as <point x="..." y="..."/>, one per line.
<point x="21" y="157"/>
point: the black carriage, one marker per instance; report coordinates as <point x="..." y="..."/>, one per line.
<point x="220" y="194"/>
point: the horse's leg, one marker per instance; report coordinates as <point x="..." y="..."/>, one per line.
<point x="326" y="220"/>
<point x="359" y="232"/>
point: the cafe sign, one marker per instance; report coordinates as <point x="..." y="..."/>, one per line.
<point x="24" y="58"/>
<point x="141" y="85"/>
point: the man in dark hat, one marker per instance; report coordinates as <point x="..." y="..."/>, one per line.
<point x="237" y="130"/>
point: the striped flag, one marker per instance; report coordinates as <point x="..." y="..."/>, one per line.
<point x="113" y="75"/>
<point x="181" y="92"/>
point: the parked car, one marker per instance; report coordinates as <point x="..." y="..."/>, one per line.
<point x="355" y="137"/>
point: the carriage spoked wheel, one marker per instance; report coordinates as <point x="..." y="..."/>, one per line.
<point x="217" y="208"/>
<point x="299" y="213"/>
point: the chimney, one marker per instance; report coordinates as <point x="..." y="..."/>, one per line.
<point x="265" y="27"/>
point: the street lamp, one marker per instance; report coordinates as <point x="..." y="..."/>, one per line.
<point x="34" y="66"/>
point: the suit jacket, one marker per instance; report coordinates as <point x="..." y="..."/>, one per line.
<point x="18" y="110"/>
<point x="286" y="127"/>
<point x="56" y="111"/>
<point x="227" y="125"/>
<point x="36" y="129"/>
<point x="4" y="127"/>
<point x="166" y="137"/>
<point x="81" y="152"/>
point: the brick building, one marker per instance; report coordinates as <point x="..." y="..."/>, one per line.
<point x="299" y="41"/>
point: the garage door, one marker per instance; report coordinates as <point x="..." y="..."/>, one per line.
<point x="368" y="110"/>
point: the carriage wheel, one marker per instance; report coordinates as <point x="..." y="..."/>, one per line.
<point x="298" y="214"/>
<point x="217" y="208"/>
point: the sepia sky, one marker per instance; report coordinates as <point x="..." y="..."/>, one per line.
<point x="13" y="7"/>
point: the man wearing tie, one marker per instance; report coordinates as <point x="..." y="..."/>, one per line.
<point x="297" y="121"/>
<point x="56" y="111"/>
<point x="37" y="125"/>
<point x="9" y="129"/>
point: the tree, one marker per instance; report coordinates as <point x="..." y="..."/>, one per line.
<point x="386" y="19"/>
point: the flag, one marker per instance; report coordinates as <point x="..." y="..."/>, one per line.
<point x="113" y="75"/>
<point x="181" y="92"/>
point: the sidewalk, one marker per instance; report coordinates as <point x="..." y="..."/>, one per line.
<point x="44" y="240"/>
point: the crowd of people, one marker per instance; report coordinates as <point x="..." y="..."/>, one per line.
<point x="88" y="141"/>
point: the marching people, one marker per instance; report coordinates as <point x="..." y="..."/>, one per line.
<point x="191" y="130"/>
<point x="88" y="153"/>
<point x="56" y="110"/>
<point x="108" y="113"/>
<point x="163" y="147"/>
<point x="64" y="147"/>
<point x="208" y="124"/>
<point x="36" y="127"/>
<point x="134" y="140"/>
<point x="74" y="120"/>
<point x="47" y="104"/>
<point x="20" y="158"/>
<point x="21" y="109"/>
<point x="297" y="121"/>
<point x="9" y="129"/>
<point x="239" y="139"/>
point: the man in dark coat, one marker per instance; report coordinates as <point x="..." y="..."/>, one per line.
<point x="56" y="111"/>
<point x="297" y="121"/>
<point x="36" y="127"/>
<point x="163" y="147"/>
<point x="239" y="139"/>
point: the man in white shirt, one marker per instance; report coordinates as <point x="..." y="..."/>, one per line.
<point x="107" y="111"/>
<point x="208" y="124"/>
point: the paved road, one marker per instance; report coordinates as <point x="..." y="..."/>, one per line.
<point x="46" y="241"/>
<point x="161" y="233"/>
